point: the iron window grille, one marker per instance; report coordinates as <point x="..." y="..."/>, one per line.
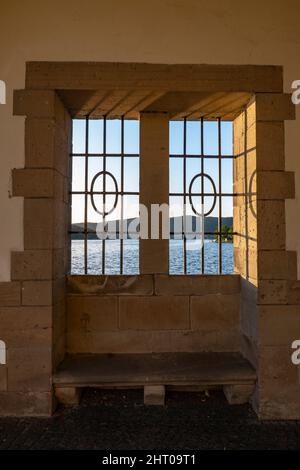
<point x="216" y="194"/>
<point x="89" y="192"/>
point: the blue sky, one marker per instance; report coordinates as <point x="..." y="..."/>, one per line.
<point x="131" y="145"/>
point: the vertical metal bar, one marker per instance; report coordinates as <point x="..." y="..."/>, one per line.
<point x="70" y="189"/>
<point x="121" y="228"/>
<point x="86" y="195"/>
<point x="220" y="194"/>
<point x="184" y="198"/>
<point x="246" y="199"/>
<point x="202" y="196"/>
<point x="104" y="192"/>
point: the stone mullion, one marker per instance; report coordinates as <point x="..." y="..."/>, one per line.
<point x="154" y="186"/>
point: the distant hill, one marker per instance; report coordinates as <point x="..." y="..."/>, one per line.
<point x="210" y="225"/>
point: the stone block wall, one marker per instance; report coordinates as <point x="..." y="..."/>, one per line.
<point x="32" y="306"/>
<point x="153" y="313"/>
<point x="270" y="307"/>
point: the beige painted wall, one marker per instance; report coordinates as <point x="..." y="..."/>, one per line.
<point x="162" y="31"/>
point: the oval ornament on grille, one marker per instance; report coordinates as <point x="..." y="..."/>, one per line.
<point x="214" y="194"/>
<point x="104" y="174"/>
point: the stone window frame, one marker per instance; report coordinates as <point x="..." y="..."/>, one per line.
<point x="33" y="304"/>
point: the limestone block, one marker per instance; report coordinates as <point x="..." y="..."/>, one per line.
<point x="272" y="264"/>
<point x="37" y="183"/>
<point x="196" y="285"/>
<point x="95" y="313"/>
<point x="30" y="368"/>
<point x="148" y="341"/>
<point x="34" y="103"/>
<point x="3" y="378"/>
<point x="110" y="285"/>
<point x="26" y="403"/>
<point x="274" y="107"/>
<point x="269" y="137"/>
<point x="293" y="292"/>
<point x="21" y="326"/>
<point x="238" y="394"/>
<point x="31" y="265"/>
<point x="278" y="325"/>
<point x="278" y="384"/>
<point x="10" y="294"/>
<point x="37" y="293"/>
<point x="215" y="312"/>
<point x="275" y="185"/>
<point x="154" y="313"/>
<point x="154" y="395"/>
<point x="39" y="143"/>
<point x="271" y="225"/>
<point x="68" y="395"/>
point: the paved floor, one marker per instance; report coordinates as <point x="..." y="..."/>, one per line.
<point x="119" y="420"/>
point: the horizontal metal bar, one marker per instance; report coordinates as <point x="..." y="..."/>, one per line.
<point x="181" y="155"/>
<point x="113" y="193"/>
<point x="88" y="232"/>
<point x="207" y="194"/>
<point x="136" y="155"/>
<point x="120" y="155"/>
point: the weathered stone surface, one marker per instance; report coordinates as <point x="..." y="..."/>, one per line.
<point x="274" y="107"/>
<point x="37" y="183"/>
<point x="291" y="259"/>
<point x="278" y="325"/>
<point x="10" y="294"/>
<point x="23" y="326"/>
<point x="271" y="225"/>
<point x="215" y="312"/>
<point x="293" y="292"/>
<point x="238" y="394"/>
<point x="3" y="378"/>
<point x="278" y="384"/>
<point x="245" y="262"/>
<point x="94" y="313"/>
<point x="38" y="224"/>
<point x="249" y="319"/>
<point x="268" y="140"/>
<point x="154" y="256"/>
<point x="34" y="103"/>
<point x="68" y="395"/>
<point x="272" y="264"/>
<point x="30" y="369"/>
<point x="59" y="350"/>
<point x="154" y="167"/>
<point x="147" y="341"/>
<point x="26" y="403"/>
<point x="248" y="348"/>
<point x="37" y="293"/>
<point x="154" y="395"/>
<point x="110" y="285"/>
<point x="31" y="265"/>
<point x="275" y="185"/>
<point x="39" y="143"/>
<point x="249" y="290"/>
<point x="59" y="319"/>
<point x="33" y="182"/>
<point x="196" y="285"/>
<point x="154" y="313"/>
<point x="180" y="77"/>
<point x="272" y="292"/>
